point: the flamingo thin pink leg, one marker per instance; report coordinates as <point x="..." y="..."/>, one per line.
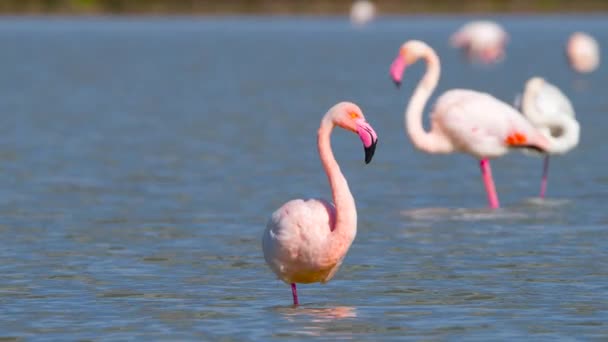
<point x="294" y="292"/>
<point x="486" y="174"/>
<point x="543" y="182"/>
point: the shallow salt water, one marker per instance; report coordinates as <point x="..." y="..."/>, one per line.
<point x="141" y="158"/>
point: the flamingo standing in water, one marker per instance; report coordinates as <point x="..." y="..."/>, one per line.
<point x="462" y="120"/>
<point x="583" y="52"/>
<point x="547" y="108"/>
<point x="305" y="241"/>
<point x="483" y="40"/>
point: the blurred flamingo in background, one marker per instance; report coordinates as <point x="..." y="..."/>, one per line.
<point x="583" y="52"/>
<point x="362" y="12"/>
<point x="548" y="109"/>
<point x="462" y="120"/>
<point x="482" y="40"/>
<point x="305" y="241"/>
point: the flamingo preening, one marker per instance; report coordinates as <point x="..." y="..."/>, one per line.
<point x="549" y="110"/>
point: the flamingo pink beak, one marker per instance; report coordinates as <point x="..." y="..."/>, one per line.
<point x="397" y="69"/>
<point x="369" y="138"/>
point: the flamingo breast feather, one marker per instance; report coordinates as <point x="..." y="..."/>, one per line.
<point x="296" y="241"/>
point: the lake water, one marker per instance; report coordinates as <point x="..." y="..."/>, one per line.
<point x="141" y="158"/>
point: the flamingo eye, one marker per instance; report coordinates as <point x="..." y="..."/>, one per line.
<point x="354" y="115"/>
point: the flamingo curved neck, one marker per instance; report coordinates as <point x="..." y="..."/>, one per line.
<point x="432" y="142"/>
<point x="567" y="131"/>
<point x="346" y="212"/>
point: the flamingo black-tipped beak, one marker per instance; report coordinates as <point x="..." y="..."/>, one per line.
<point x="397" y="69"/>
<point x="369" y="151"/>
<point x="368" y="137"/>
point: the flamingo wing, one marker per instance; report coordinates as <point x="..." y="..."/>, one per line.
<point x="482" y="125"/>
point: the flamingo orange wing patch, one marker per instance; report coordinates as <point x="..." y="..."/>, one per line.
<point x="516" y="139"/>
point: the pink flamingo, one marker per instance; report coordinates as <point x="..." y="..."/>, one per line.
<point x="483" y="40"/>
<point x="305" y="241"/>
<point x="583" y="52"/>
<point x="549" y="110"/>
<point x="463" y="120"/>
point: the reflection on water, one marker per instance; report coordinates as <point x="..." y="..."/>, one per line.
<point x="581" y="84"/>
<point x="461" y="214"/>
<point x="318" y="314"/>
<point x="527" y="208"/>
<point x="309" y="321"/>
<point x="546" y="202"/>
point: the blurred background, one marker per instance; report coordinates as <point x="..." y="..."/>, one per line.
<point x="292" y="7"/>
<point x="141" y="157"/>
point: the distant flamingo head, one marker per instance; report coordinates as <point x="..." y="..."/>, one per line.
<point x="350" y="117"/>
<point x="409" y="53"/>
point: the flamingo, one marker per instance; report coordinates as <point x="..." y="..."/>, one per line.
<point x="583" y="52"/>
<point x="483" y="40"/>
<point x="463" y="120"/>
<point x="547" y="108"/>
<point x="305" y="241"/>
<point x="362" y="12"/>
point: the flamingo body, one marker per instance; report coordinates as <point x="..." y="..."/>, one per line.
<point x="296" y="240"/>
<point x="362" y="12"/>
<point x="305" y="241"/>
<point x="479" y="124"/>
<point x="483" y="40"/>
<point x="583" y="52"/>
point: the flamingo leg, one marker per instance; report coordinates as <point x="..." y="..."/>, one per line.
<point x="294" y="292"/>
<point x="543" y="182"/>
<point x="486" y="174"/>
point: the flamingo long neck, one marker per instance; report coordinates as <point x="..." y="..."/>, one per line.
<point x="346" y="211"/>
<point x="433" y="141"/>
<point x="568" y="131"/>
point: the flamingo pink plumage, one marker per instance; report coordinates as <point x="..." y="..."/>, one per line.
<point x="483" y="40"/>
<point x="462" y="120"/>
<point x="305" y="241"/>
<point x="583" y="52"/>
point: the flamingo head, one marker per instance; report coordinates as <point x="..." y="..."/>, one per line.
<point x="350" y="117"/>
<point x="409" y="53"/>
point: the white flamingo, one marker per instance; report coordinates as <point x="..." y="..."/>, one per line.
<point x="549" y="110"/>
